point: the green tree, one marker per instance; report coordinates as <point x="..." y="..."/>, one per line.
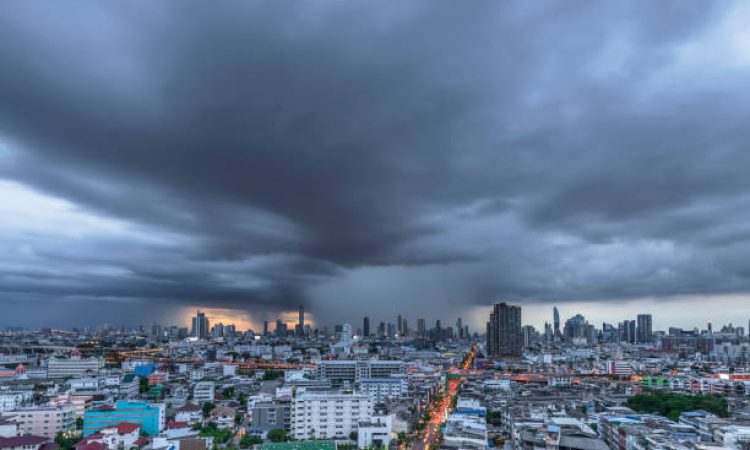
<point x="671" y="404"/>
<point x="277" y="435"/>
<point x="248" y="441"/>
<point x="207" y="408"/>
<point x="66" y="442"/>
<point x="272" y="374"/>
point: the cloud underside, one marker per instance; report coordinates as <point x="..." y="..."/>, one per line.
<point x="411" y="156"/>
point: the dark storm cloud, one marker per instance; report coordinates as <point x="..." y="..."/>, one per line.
<point x="284" y="152"/>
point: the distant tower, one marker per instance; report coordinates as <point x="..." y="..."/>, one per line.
<point x="645" y="327"/>
<point x="399" y="325"/>
<point x="301" y="321"/>
<point x="422" y="327"/>
<point x="200" y="325"/>
<point x="460" y="328"/>
<point x="265" y="328"/>
<point x="556" y="322"/>
<point x="366" y="327"/>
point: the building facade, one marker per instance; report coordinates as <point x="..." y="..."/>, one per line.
<point x="504" y="337"/>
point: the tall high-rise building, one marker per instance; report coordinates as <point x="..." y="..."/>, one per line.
<point x="421" y="327"/>
<point x="399" y="325"/>
<point x="645" y="327"/>
<point x="459" y="328"/>
<point x="504" y="337"/>
<point x="366" y="327"/>
<point x="281" y="328"/>
<point x="300" y="329"/>
<point x="627" y="331"/>
<point x="265" y="328"/>
<point x="200" y="325"/>
<point x="556" y="322"/>
<point x="404" y="327"/>
<point x="218" y="330"/>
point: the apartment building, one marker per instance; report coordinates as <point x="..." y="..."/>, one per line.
<point x="44" y="421"/>
<point x="73" y="367"/>
<point x="382" y="389"/>
<point x="204" y="391"/>
<point x="350" y="371"/>
<point x="325" y="415"/>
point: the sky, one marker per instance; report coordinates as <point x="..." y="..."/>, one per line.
<point x="427" y="158"/>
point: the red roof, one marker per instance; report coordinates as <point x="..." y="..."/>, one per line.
<point x="20" y="441"/>
<point x="173" y="424"/>
<point x="92" y="446"/>
<point x="126" y="427"/>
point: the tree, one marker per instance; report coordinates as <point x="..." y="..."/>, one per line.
<point x="671" y="405"/>
<point x="353" y="435"/>
<point x="249" y="441"/>
<point x="207" y="408"/>
<point x="142" y="384"/>
<point x="79" y="423"/>
<point x="272" y="374"/>
<point x="277" y="435"/>
<point x="65" y="441"/>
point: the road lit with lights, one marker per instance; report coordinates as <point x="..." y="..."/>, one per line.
<point x="441" y="407"/>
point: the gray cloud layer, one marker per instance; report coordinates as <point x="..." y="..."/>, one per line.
<point x="337" y="153"/>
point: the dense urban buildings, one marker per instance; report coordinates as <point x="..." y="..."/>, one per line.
<point x="440" y="386"/>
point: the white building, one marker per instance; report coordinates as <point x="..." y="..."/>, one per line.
<point x="204" y="391"/>
<point x="737" y="438"/>
<point x="355" y="370"/>
<point x="619" y="368"/>
<point x="190" y="413"/>
<point x="326" y="415"/>
<point x="382" y="389"/>
<point x="8" y="402"/>
<point x="375" y="433"/>
<point x="73" y="367"/>
<point x="121" y="436"/>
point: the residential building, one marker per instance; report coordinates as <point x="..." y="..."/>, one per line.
<point x="149" y="416"/>
<point x="322" y="415"/>
<point x="44" y="421"/>
<point x="73" y="367"/>
<point x="204" y="391"/>
<point x="504" y="337"/>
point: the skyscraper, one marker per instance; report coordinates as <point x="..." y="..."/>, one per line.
<point x="301" y="322"/>
<point x="645" y="328"/>
<point x="399" y="325"/>
<point x="627" y="330"/>
<point x="265" y="328"/>
<point x="281" y="328"/>
<point x="556" y="317"/>
<point x="200" y="325"/>
<point x="459" y="328"/>
<point x="421" y="327"/>
<point x="366" y="327"/>
<point x="504" y="337"/>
